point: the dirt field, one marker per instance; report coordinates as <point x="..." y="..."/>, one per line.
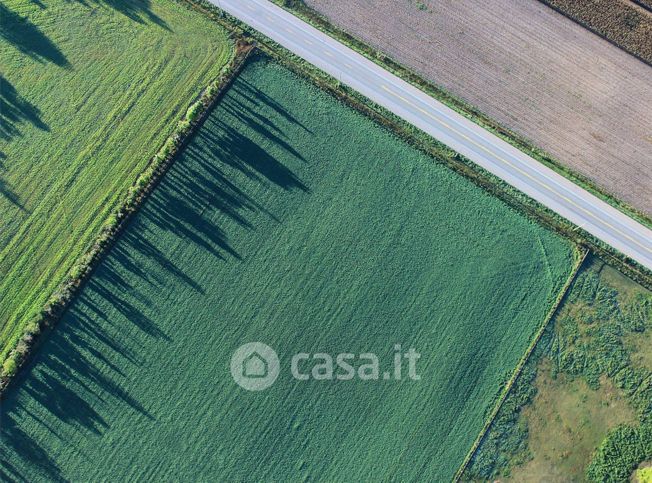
<point x="566" y="422"/>
<point x="573" y="94"/>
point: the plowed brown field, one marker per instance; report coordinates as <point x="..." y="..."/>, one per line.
<point x="570" y="92"/>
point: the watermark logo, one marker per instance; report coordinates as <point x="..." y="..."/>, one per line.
<point x="255" y="366"/>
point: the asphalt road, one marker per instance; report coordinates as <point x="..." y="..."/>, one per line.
<point x="482" y="147"/>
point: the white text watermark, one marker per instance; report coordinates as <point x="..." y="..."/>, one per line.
<point x="256" y="366"/>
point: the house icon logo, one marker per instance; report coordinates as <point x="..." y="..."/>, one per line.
<point x="254" y="366"/>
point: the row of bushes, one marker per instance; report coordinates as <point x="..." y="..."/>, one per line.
<point x="134" y="198"/>
<point x="646" y="4"/>
<point x="299" y="8"/>
<point x="620" y="22"/>
<point x="523" y="391"/>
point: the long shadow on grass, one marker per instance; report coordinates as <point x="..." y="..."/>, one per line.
<point x="253" y="97"/>
<point x="137" y="10"/>
<point x="205" y="179"/>
<point x="81" y="373"/>
<point x="28" y="39"/>
<point x="9" y="194"/>
<point x="14" y="111"/>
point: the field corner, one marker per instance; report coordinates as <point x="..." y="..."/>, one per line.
<point x="581" y="254"/>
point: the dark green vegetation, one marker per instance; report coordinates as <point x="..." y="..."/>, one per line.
<point x="590" y="353"/>
<point x="620" y="453"/>
<point x="308" y="227"/>
<point x="626" y="25"/>
<point x="88" y="93"/>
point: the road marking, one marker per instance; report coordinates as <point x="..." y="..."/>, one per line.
<point x="289" y="30"/>
<point x="328" y="53"/>
<point x="307" y="41"/>
<point x="524" y="173"/>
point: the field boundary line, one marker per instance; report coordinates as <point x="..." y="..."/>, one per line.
<point x="643" y="5"/>
<point x="582" y="255"/>
<point x="36" y="331"/>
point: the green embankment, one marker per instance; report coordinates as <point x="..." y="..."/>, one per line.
<point x="88" y="92"/>
<point x="292" y="220"/>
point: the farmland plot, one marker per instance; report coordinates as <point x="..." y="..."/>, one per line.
<point x="292" y="220"/>
<point x="89" y="90"/>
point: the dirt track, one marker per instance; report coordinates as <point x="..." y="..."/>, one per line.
<point x="586" y="102"/>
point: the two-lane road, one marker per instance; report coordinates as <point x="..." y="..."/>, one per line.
<point x="482" y="147"/>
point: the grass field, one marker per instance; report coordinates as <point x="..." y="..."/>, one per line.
<point x="566" y="423"/>
<point x="292" y="220"/>
<point x="88" y="92"/>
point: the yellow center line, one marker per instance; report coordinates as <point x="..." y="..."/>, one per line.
<point x="509" y="163"/>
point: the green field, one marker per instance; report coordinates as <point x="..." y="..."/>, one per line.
<point x="292" y="220"/>
<point x="88" y="92"/>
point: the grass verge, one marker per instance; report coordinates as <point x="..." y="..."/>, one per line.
<point x="590" y="352"/>
<point x="432" y="147"/>
<point x="83" y="267"/>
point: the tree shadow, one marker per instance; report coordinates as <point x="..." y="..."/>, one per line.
<point x="139" y="11"/>
<point x="14" y="111"/>
<point x="28" y="39"/>
<point x="204" y="178"/>
<point x="15" y="441"/>
<point x="254" y="96"/>
<point x="75" y="376"/>
<point x="9" y="194"/>
<point x="78" y="376"/>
